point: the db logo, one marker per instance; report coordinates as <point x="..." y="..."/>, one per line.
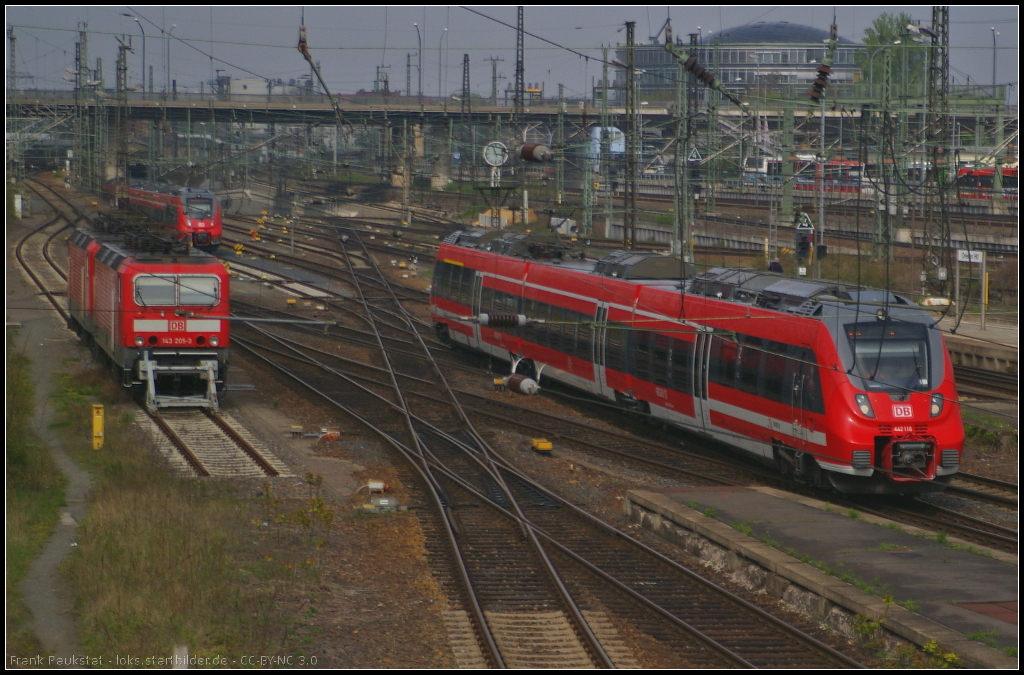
<point x="180" y="325"/>
<point x="902" y="411"/>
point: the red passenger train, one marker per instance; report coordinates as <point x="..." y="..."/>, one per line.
<point x="972" y="183"/>
<point x="158" y="318"/>
<point x="193" y="214"/>
<point x="834" y="384"/>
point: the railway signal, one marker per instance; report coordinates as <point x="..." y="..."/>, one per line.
<point x="804" y="237"/>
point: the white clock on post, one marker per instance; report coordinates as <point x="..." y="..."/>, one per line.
<point x="495" y="154"/>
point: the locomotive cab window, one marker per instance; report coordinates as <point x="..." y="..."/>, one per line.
<point x="200" y="208"/>
<point x="203" y="291"/>
<point x="153" y="291"/>
<point x="163" y="291"/>
<point x="891" y="355"/>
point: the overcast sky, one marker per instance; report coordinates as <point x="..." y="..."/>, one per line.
<point x="350" y="42"/>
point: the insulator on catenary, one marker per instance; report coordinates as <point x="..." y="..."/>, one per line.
<point x="535" y="152"/>
<point x="817" y="90"/>
<point x="700" y="72"/>
<point x="521" y="384"/>
<point x="502" y="321"/>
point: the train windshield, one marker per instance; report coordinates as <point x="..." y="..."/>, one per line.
<point x="156" y="291"/>
<point x="890" y="355"/>
<point x="200" y="208"/>
<point x="198" y="290"/>
<point x="153" y="290"/>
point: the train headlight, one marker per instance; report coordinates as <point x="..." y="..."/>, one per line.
<point x="139" y="341"/>
<point x="214" y="341"/>
<point x="864" y="405"/>
<point x="937" y="402"/>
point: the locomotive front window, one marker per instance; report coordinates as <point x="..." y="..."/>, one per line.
<point x="204" y="291"/>
<point x="160" y="291"/>
<point x="891" y="355"/>
<point x="200" y="208"/>
<point x="154" y="291"/>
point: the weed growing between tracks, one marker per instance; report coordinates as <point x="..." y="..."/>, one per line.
<point x="35" y="492"/>
<point x="162" y="561"/>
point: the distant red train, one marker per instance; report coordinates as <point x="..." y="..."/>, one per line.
<point x="834" y="384"/>
<point x="157" y="318"/>
<point x="974" y="183"/>
<point x="193" y="214"/>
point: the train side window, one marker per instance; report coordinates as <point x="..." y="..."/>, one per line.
<point x="553" y="335"/>
<point x="661" y="366"/>
<point x="529" y="331"/>
<point x="641" y="354"/>
<point x="512" y="303"/>
<point x="572" y="321"/>
<point x="585" y="337"/>
<point x="486" y="300"/>
<point x="456" y="288"/>
<point x="722" y="367"/>
<point x="749" y="364"/>
<point x="615" y="352"/>
<point x="542" y="310"/>
<point x="204" y="290"/>
<point x="682" y="365"/>
<point x="153" y="291"/>
<point x="773" y="381"/>
<point x="442" y="279"/>
<point x="812" y="398"/>
<point x="466" y="286"/>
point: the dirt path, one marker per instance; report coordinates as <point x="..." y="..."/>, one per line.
<point x="43" y="339"/>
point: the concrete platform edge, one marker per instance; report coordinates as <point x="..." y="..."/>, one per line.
<point x="655" y="509"/>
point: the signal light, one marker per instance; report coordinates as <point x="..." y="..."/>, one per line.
<point x="803" y="243"/>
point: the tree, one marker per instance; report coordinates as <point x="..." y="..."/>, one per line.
<point x="909" y="58"/>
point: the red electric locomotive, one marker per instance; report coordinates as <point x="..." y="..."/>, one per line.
<point x="159" y="319"/>
<point x="834" y="384"/>
<point x="192" y="213"/>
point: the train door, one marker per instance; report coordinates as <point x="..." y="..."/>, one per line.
<point x="701" y="357"/>
<point x="474" y="304"/>
<point x="600" y="349"/>
<point x="797" y="382"/>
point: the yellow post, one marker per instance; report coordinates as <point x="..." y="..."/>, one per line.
<point x="97" y="427"/>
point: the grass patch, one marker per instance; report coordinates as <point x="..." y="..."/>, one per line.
<point x="163" y="561"/>
<point x="35" y="493"/>
<point x="890" y="547"/>
<point x="746" y="527"/>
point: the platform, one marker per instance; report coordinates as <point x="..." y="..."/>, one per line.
<point x="994" y="348"/>
<point x="805" y="548"/>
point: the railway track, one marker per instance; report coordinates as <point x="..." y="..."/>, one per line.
<point x="37" y="261"/>
<point x="206" y="444"/>
<point x="984" y="489"/>
<point x="466" y="476"/>
<point x="986" y="383"/>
